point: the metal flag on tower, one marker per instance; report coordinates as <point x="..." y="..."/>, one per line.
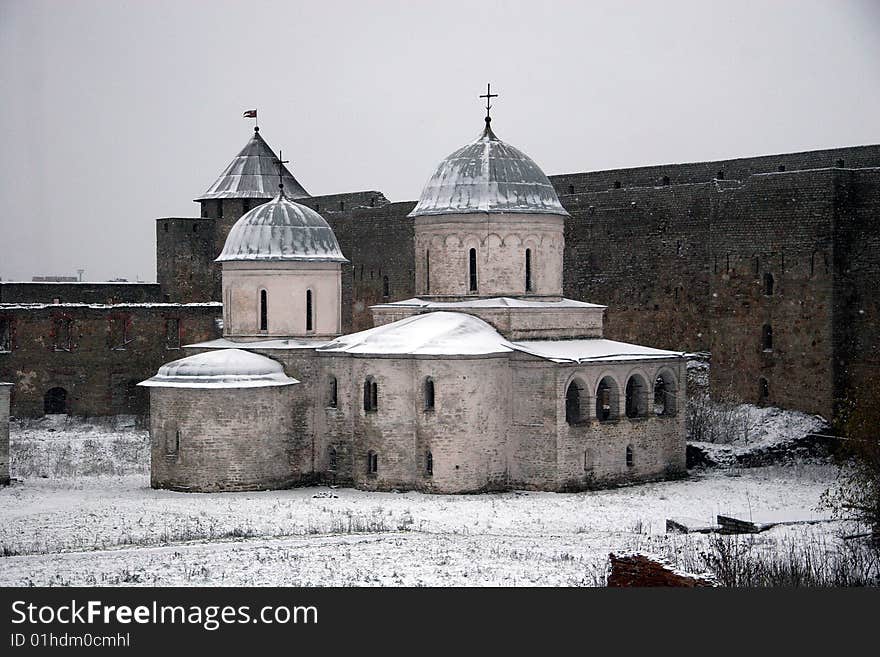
<point x="251" y="114"/>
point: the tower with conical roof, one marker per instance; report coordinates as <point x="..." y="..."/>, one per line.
<point x="187" y="247"/>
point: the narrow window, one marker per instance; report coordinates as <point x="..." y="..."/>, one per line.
<point x="371" y="395"/>
<point x="606" y="400"/>
<point x="767" y="338"/>
<point x="763" y="390"/>
<point x="616" y="184"/>
<point x="309" y="323"/>
<point x="720" y="175"/>
<point x="372" y="201"/>
<point x="120" y="329"/>
<point x="166" y="226"/>
<point x="172" y="333"/>
<point x="219" y="208"/>
<point x="195" y="228"/>
<point x="342" y="205"/>
<point x="333" y="397"/>
<point x="429" y="463"/>
<point x="386" y="287"/>
<point x="427" y="272"/>
<point x="768" y="284"/>
<point x="62" y="334"/>
<point x="333" y="459"/>
<point x="5" y="335"/>
<point x="472" y="270"/>
<point x="372" y="462"/>
<point x="172" y="444"/>
<point x="665" y="180"/>
<point x="781" y="167"/>
<point x="528" y="270"/>
<point x="429" y="394"/>
<point x="629" y="456"/>
<point x="573" y="403"/>
<point x="264" y="311"/>
<point x="571" y="189"/>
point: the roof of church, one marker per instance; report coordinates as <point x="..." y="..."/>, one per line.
<point x="492" y="302"/>
<point x="253" y="173"/>
<point x="591" y="349"/>
<point x="224" y="368"/>
<point x="488" y="175"/>
<point x="281" y="230"/>
<point x="431" y="334"/>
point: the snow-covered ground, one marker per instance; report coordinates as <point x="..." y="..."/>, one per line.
<point x="81" y="511"/>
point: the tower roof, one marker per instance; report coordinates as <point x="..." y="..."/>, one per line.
<point x="253" y="173"/>
<point x="281" y="230"/>
<point x="488" y="175"/>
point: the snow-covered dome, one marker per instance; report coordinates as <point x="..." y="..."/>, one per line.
<point x="281" y="230"/>
<point x="488" y="175"/>
<point x="430" y="334"/>
<point x="221" y="368"/>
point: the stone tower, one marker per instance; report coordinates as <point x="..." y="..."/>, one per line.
<point x="186" y="247"/>
<point x="489" y="224"/>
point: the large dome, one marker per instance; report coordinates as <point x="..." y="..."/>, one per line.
<point x="281" y="230"/>
<point x="488" y="175"/>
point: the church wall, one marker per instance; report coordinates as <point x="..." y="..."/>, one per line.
<point x="465" y="432"/>
<point x="500" y="242"/>
<point x="532" y="441"/>
<point x="97" y="373"/>
<point x="594" y="453"/>
<point x="230" y="439"/>
<point x="5" y="390"/>
<point x="285" y="285"/>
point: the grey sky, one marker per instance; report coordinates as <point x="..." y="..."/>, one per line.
<point x="116" y="113"/>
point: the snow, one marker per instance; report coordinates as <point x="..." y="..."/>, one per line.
<point x="286" y="343"/>
<point x="494" y="302"/>
<point x="598" y="349"/>
<point x="225" y="368"/>
<point x="488" y="175"/>
<point x="81" y="512"/>
<point x="432" y="334"/>
<point x="281" y="230"/>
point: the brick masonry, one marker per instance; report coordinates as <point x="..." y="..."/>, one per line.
<point x="5" y="389"/>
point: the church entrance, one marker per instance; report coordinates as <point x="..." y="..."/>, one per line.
<point x="55" y="401"/>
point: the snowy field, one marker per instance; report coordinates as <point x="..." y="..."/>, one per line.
<point x="81" y="512"/>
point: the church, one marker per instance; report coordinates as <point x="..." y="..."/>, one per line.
<point x="488" y="379"/>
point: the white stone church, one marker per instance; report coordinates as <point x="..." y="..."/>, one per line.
<point x="488" y="380"/>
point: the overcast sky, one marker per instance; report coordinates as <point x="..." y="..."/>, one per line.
<point x="116" y="113"/>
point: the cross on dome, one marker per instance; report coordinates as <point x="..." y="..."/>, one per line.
<point x="488" y="96"/>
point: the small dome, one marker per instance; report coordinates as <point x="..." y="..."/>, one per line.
<point x="221" y="368"/>
<point x="488" y="175"/>
<point x="281" y="230"/>
<point x="431" y="334"/>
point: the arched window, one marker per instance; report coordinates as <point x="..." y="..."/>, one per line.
<point x="264" y="311"/>
<point x="767" y="338"/>
<point x="310" y="324"/>
<point x="172" y="443"/>
<point x="386" y="287"/>
<point x="763" y="390"/>
<point x="768" y="284"/>
<point x="427" y="272"/>
<point x="472" y="270"/>
<point x="664" y="394"/>
<point x="333" y="396"/>
<point x="429" y="463"/>
<point x="372" y="462"/>
<point x="606" y="400"/>
<point x="636" y="397"/>
<point x="528" y="270"/>
<point x="429" y="394"/>
<point x="575" y="403"/>
<point x="629" y="456"/>
<point x="333" y="460"/>
<point x="371" y="395"/>
<point x="55" y="401"/>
